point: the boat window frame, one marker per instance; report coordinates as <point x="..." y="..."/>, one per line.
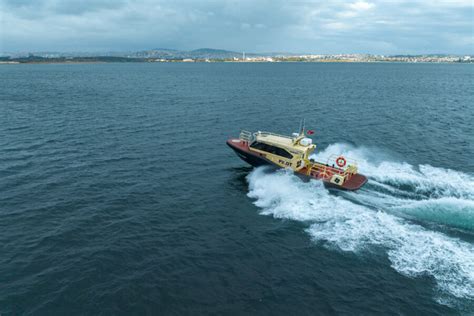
<point x="274" y="150"/>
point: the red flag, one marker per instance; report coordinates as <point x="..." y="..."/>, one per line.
<point x="310" y="132"/>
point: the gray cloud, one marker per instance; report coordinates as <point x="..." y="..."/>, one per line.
<point x="358" y="26"/>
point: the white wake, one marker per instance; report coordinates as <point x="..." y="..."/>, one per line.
<point x="380" y="214"/>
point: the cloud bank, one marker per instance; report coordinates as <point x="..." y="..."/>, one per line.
<point x="359" y="26"/>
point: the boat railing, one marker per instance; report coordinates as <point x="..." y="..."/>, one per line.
<point x="330" y="168"/>
<point x="326" y="171"/>
<point x="246" y="136"/>
<point x="250" y="137"/>
<point x="271" y="134"/>
<point x="332" y="159"/>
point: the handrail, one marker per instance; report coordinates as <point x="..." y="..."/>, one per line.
<point x="323" y="169"/>
<point x="246" y="136"/>
<point x="274" y="134"/>
<point x="250" y="137"/>
<point x="349" y="162"/>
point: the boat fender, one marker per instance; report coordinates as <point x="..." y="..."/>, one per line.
<point x="341" y="161"/>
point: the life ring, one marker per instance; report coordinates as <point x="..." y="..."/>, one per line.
<point x="341" y="161"/>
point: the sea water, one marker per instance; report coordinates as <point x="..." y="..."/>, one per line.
<point x="118" y="194"/>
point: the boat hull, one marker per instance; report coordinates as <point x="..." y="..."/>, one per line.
<point x="241" y="148"/>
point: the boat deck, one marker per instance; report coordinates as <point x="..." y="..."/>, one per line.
<point x="322" y="172"/>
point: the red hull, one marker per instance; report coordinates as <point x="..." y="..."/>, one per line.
<point x="241" y="147"/>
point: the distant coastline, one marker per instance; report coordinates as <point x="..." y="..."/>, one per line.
<point x="99" y="60"/>
<point x="216" y="55"/>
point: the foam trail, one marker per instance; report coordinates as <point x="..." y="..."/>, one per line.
<point x="369" y="218"/>
<point x="425" y="180"/>
<point x="447" y="210"/>
<point x="424" y="192"/>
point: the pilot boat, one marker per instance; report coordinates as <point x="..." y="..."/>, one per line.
<point x="293" y="152"/>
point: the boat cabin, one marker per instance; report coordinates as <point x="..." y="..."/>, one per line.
<point x="285" y="151"/>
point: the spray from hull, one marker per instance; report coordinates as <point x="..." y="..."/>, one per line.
<point x="389" y="213"/>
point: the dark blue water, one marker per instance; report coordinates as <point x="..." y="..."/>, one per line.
<point x="118" y="194"/>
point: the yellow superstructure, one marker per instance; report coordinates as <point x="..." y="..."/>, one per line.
<point x="285" y="151"/>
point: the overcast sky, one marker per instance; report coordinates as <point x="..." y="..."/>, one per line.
<point x="359" y="26"/>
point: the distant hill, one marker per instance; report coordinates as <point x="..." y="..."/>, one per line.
<point x="213" y="53"/>
<point x="200" y="53"/>
<point x="158" y="53"/>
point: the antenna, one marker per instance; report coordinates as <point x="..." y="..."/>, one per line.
<point x="302" y="124"/>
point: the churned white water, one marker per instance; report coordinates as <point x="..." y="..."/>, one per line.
<point x="379" y="215"/>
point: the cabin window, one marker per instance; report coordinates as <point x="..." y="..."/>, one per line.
<point x="272" y="149"/>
